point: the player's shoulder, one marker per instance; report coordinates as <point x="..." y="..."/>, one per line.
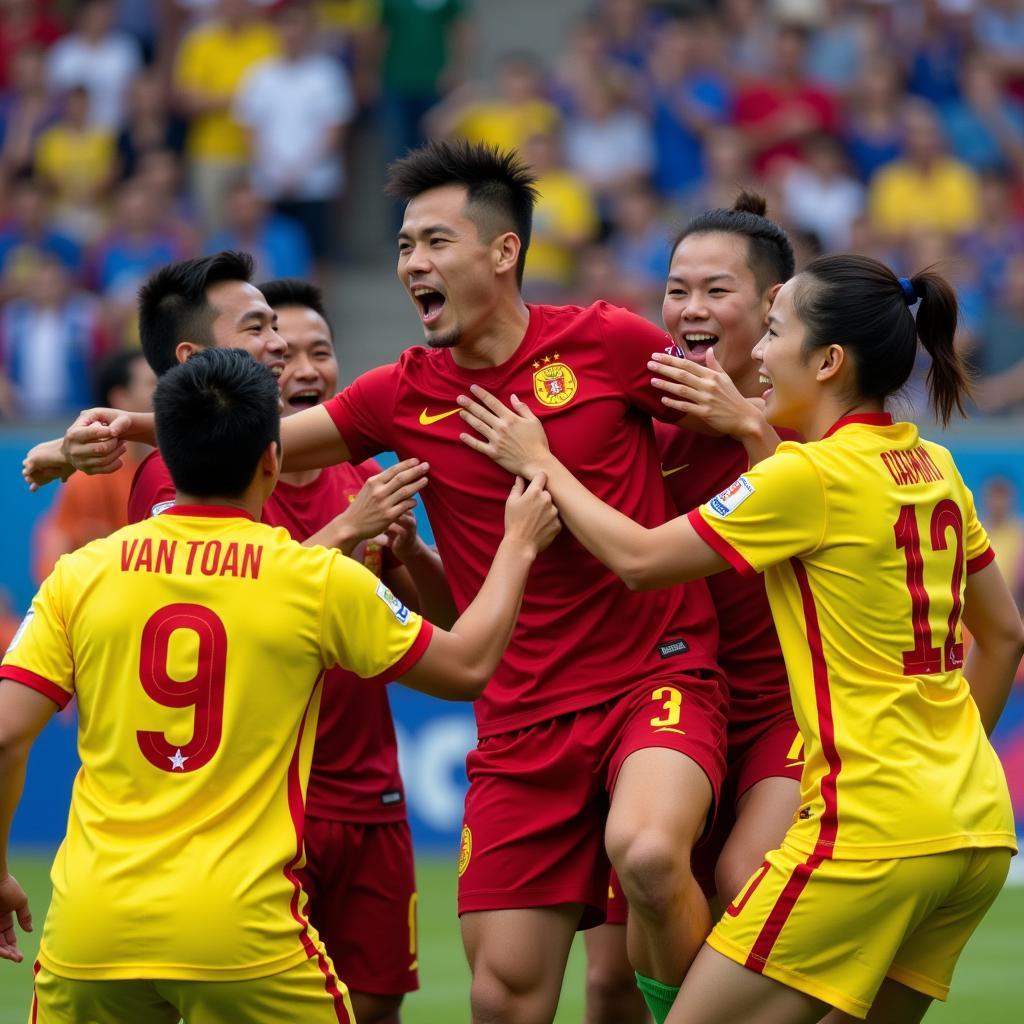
<point x="600" y="323"/>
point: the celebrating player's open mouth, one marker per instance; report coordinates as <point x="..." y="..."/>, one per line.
<point x="431" y="302"/>
<point x="696" y="345"/>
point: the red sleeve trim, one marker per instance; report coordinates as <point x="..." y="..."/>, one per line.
<point x="987" y="557"/>
<point x="411" y="656"/>
<point x="719" y="544"/>
<point x="40" y="684"/>
<point x="338" y="418"/>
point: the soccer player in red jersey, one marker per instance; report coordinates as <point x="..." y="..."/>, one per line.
<point x="603" y="728"/>
<point x="726" y="268"/>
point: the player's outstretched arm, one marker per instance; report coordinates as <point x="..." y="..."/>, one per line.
<point x="381" y="500"/>
<point x="310" y="440"/>
<point x="644" y="559"/>
<point x="23" y="713"/>
<point x="458" y="663"/>
<point x="707" y="395"/>
<point x="992" y="617"/>
<point x="421" y="574"/>
<point x="94" y="444"/>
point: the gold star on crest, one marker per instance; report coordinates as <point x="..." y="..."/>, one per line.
<point x="536" y="365"/>
<point x="547" y="359"/>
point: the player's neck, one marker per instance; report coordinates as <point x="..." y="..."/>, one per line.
<point x="827" y="414"/>
<point x="500" y="334"/>
<point x="250" y="503"/>
<point x="302" y="478"/>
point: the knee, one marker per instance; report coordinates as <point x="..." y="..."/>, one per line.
<point x="654" y="870"/>
<point x="375" y="1009"/>
<point x="506" y="996"/>
<point x="611" y="993"/>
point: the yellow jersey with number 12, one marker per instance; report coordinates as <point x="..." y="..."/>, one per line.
<point x="194" y="642"/>
<point x="866" y="538"/>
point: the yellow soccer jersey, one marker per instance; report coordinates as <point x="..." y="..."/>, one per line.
<point x="194" y="642"/>
<point x="865" y="538"/>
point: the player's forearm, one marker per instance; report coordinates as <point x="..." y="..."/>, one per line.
<point x="624" y="546"/>
<point x="759" y="440"/>
<point x="13" y="759"/>
<point x="458" y="663"/>
<point x="990" y="670"/>
<point x="435" y="596"/>
<point x="310" y="440"/>
<point x="336" y="534"/>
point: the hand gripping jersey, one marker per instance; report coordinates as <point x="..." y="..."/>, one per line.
<point x="582" y="637"/>
<point x="865" y="539"/>
<point x="194" y="642"/>
<point x="355" y="775"/>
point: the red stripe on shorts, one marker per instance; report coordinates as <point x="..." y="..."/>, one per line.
<point x="828" y="825"/>
<point x="297" y="808"/>
<point x="766" y="940"/>
<point x="35" y="1002"/>
<point x="331" y="984"/>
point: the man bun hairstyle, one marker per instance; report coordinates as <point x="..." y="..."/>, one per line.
<point x="215" y="415"/>
<point x="173" y="306"/>
<point x="859" y="303"/>
<point x="769" y="252"/>
<point x="500" y="187"/>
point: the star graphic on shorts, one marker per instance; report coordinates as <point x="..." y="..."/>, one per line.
<point x="177" y="761"/>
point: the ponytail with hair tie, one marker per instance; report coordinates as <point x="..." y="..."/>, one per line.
<point x="910" y="295"/>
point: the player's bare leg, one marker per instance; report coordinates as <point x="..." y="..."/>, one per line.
<point x="894" y="1004"/>
<point x="658" y="811"/>
<point x="375" y="1009"/>
<point x="518" y="959"/>
<point x="717" y="990"/>
<point x="611" y="996"/>
<point x="763" y="814"/>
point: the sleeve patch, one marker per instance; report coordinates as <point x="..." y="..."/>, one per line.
<point x="731" y="498"/>
<point x="29" y="616"/>
<point x="399" y="610"/>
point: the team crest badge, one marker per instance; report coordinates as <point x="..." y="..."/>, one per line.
<point x="554" y="383"/>
<point x="465" y="850"/>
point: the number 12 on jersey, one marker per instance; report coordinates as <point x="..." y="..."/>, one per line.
<point x="924" y="659"/>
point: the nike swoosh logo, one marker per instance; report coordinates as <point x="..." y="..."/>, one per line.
<point x="669" y="472"/>
<point x="426" y="419"/>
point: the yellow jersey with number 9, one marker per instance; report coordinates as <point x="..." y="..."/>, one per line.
<point x="866" y="538"/>
<point x="194" y="642"/>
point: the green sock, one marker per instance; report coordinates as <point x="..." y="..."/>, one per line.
<point x="658" y="996"/>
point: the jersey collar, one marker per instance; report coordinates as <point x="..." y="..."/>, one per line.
<point x="872" y="419"/>
<point x="208" y="512"/>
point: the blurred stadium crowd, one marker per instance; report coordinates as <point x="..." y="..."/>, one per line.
<point x="136" y="132"/>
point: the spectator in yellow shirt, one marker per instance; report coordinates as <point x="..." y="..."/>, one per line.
<point x="210" y="65"/>
<point x="927" y="189"/>
<point x="564" y="220"/>
<point x="78" y="160"/>
<point x="518" y="112"/>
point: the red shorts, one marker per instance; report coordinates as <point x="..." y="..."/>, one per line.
<point x="533" y="832"/>
<point x="362" y="901"/>
<point x="771" y="750"/>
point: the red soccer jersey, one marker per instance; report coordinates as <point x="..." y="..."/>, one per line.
<point x="355" y="774"/>
<point x="582" y="637"/>
<point x="696" y="467"/>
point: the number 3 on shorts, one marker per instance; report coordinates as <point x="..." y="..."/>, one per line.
<point x="671" y="701"/>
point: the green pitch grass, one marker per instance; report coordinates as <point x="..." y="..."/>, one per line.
<point x="988" y="988"/>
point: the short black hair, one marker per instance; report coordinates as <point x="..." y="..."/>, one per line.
<point x="292" y="291"/>
<point x="769" y="251"/>
<point x="500" y="187"/>
<point x="215" y="415"/>
<point x="113" y="371"/>
<point x="173" y="306"/>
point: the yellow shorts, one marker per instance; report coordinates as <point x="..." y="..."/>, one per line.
<point x="309" y="993"/>
<point x="836" y="929"/>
